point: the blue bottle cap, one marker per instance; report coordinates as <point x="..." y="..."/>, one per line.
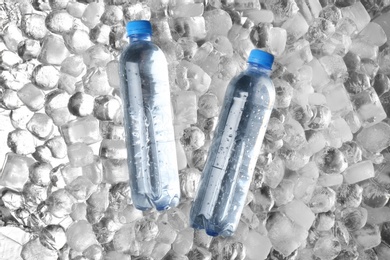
<point x="139" y="27"/>
<point x="262" y="58"/>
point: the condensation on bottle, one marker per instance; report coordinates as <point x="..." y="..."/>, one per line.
<point x="234" y="150"/>
<point x="150" y="142"/>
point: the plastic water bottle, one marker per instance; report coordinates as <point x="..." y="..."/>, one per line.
<point x="151" y="148"/>
<point x="233" y="153"/>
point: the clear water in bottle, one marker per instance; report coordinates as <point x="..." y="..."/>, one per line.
<point x="235" y="147"/>
<point x="149" y="132"/>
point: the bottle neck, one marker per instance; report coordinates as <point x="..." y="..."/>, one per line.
<point x="140" y="37"/>
<point x="258" y="68"/>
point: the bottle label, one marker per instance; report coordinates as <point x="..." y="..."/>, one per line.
<point x="223" y="155"/>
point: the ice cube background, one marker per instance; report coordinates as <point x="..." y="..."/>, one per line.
<point x="321" y="185"/>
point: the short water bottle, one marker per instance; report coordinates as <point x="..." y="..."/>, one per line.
<point x="150" y="141"/>
<point x="235" y="147"/>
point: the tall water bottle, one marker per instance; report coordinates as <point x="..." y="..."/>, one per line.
<point x="233" y="153"/>
<point x="151" y="148"/>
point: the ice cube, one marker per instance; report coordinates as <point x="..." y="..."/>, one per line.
<point x="97" y="56"/>
<point x="363" y="49"/>
<point x="315" y="142"/>
<point x="327" y="247"/>
<point x="45" y="77"/>
<point x="73" y="65"/>
<point x="80" y="154"/>
<point x="21" y="141"/>
<point x="184" y="241"/>
<point x="186" y="9"/>
<point x="374" y="34"/>
<point x="193" y="138"/>
<point x="259" y="16"/>
<point x="60" y="203"/>
<point x="53" y="50"/>
<point x="369" y="67"/>
<point x="354" y="218"/>
<point x="368" y="107"/>
<point x="285" y="235"/>
<point x="299" y="213"/>
<point x="374" y="138"/>
<point x="275" y="130"/>
<point x="106" y="107"/>
<point x="217" y="22"/>
<point x="324" y="221"/>
<point x="16" y="77"/>
<point x="358" y="14"/>
<point x="77" y="41"/>
<point x="53" y="237"/>
<point x="191" y="27"/>
<point x="337" y="98"/>
<point x="323" y="200"/>
<point x="81" y="104"/>
<point x="189" y="181"/>
<point x="374" y="195"/>
<point x="29" y="49"/>
<point x="198" y="78"/>
<point x="284" y="192"/>
<point x="284" y="93"/>
<point x="39" y="173"/>
<point x="274" y="173"/>
<point x="136" y="11"/>
<point x="41" y="126"/>
<point x="113" y="149"/>
<point x="32" y="97"/>
<point x="115" y="171"/>
<point x="81" y="188"/>
<point x="295" y="134"/>
<point x="8" y="59"/>
<point x="15" y="171"/>
<point x="96" y="82"/>
<point x="368" y="237"/>
<point x="112" y="15"/>
<point x="56" y="107"/>
<point x="329" y="180"/>
<point x="92" y="13"/>
<point x="12" y="36"/>
<point x="57" y="147"/>
<point x="282" y="10"/>
<point x="9" y="99"/>
<point x="124" y="239"/>
<point x="100" y="34"/>
<point x="160" y="250"/>
<point x="334" y="65"/>
<point x="296" y="54"/>
<point x="257" y="246"/>
<point x="76" y="9"/>
<point x="112" y="73"/>
<point x="358" y="172"/>
<point x="321" y="77"/>
<point x="80" y="235"/>
<point x="35" y="250"/>
<point x="34" y="26"/>
<point x="296" y="27"/>
<point x="277" y="40"/>
<point x="84" y="130"/>
<point x="110" y="130"/>
<point x="59" y="22"/>
<point x="94" y="252"/>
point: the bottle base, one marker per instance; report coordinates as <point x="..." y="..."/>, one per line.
<point x="224" y="230"/>
<point x="144" y="203"/>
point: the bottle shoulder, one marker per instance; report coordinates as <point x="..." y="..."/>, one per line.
<point x="257" y="84"/>
<point x="137" y="50"/>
